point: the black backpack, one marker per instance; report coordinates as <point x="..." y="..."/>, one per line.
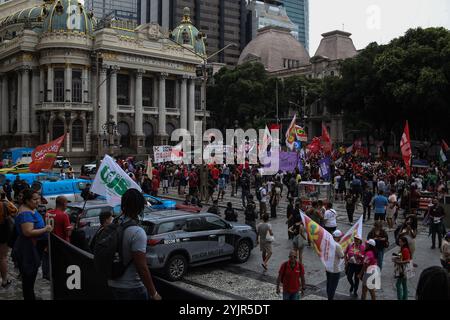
<point x="258" y="194"/>
<point x="108" y="250"/>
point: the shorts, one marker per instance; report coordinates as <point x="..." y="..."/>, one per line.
<point x="266" y="247"/>
<point x="297" y="243"/>
<point x="380" y="216"/>
<point x="165" y="183"/>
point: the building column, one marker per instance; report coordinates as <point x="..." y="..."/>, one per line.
<point x="191" y="111"/>
<point x="42" y="96"/>
<point x="19" y="103"/>
<point x="95" y="101"/>
<point x="102" y="100"/>
<point x="85" y="84"/>
<point x="113" y="93"/>
<point x="138" y="111"/>
<point x="162" y="105"/>
<point x="35" y="89"/>
<point x="50" y="77"/>
<point x="25" y="110"/>
<point x="4" y="106"/>
<point x="155" y="92"/>
<point x="68" y="82"/>
<point x="183" y="104"/>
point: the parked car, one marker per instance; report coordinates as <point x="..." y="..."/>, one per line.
<point x="61" y="162"/>
<point x="89" y="168"/>
<point x="18" y="168"/>
<point x="160" y="204"/>
<point x="85" y="218"/>
<point x="177" y="240"/>
<point x="188" y="208"/>
<point x="70" y="188"/>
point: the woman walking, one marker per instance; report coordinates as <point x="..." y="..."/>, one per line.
<point x="354" y="260"/>
<point x="401" y="261"/>
<point x="370" y="262"/>
<point x="381" y="239"/>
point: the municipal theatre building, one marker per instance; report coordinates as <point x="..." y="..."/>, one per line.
<point x="111" y="86"/>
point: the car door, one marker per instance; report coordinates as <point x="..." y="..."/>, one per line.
<point x="194" y="238"/>
<point x="221" y="239"/>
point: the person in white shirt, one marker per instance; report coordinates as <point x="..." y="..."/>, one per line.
<point x="263" y="202"/>
<point x="329" y="218"/>
<point x="334" y="274"/>
<point x="391" y="209"/>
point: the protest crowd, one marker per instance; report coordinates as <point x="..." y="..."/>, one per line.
<point x="388" y="193"/>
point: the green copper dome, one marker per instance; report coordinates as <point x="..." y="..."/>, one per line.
<point x="187" y="34"/>
<point x="67" y="16"/>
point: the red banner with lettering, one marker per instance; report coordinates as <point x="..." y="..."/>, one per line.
<point x="44" y="155"/>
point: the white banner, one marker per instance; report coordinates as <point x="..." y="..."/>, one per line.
<point x="162" y="153"/>
<point x="112" y="182"/>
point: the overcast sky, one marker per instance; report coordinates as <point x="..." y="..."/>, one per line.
<point x="374" y="20"/>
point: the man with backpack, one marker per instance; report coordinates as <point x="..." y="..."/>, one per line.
<point x="261" y="195"/>
<point x="119" y="253"/>
<point x="250" y="213"/>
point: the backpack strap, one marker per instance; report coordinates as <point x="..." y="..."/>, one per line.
<point x="125" y="226"/>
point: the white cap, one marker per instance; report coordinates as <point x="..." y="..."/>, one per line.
<point x="337" y="234"/>
<point x="371" y="242"/>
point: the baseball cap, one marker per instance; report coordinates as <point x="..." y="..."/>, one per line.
<point x="371" y="242"/>
<point x="337" y="234"/>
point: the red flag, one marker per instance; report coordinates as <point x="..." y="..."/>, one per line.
<point x="405" y="146"/>
<point x="314" y="147"/>
<point x="44" y="155"/>
<point x="327" y="145"/>
<point x="444" y="146"/>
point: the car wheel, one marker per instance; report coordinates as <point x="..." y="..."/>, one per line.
<point x="242" y="251"/>
<point x="176" y="267"/>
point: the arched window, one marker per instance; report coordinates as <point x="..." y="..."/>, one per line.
<point x="77" y="134"/>
<point x="58" y="129"/>
<point x="148" y="132"/>
<point x="124" y="131"/>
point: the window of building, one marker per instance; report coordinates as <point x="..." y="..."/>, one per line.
<point x="123" y="94"/>
<point x="170" y="94"/>
<point x="58" y="129"/>
<point x="77" y="133"/>
<point x="147" y="92"/>
<point x="77" y="90"/>
<point x="148" y="132"/>
<point x="59" y="85"/>
<point x="124" y="131"/>
<point x="198" y="98"/>
<point x="170" y="128"/>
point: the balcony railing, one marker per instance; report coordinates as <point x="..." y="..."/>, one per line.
<point x="69" y="106"/>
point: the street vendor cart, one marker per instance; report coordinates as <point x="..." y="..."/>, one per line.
<point x="313" y="191"/>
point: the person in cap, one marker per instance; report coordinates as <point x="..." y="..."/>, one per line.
<point x="354" y="259"/>
<point x="370" y="265"/>
<point x="334" y="273"/>
<point x="445" y="255"/>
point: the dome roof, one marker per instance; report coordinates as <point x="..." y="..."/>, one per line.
<point x="187" y="34"/>
<point x="276" y="49"/>
<point x="67" y="15"/>
<point x="33" y="14"/>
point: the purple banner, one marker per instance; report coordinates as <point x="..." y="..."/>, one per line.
<point x="288" y="161"/>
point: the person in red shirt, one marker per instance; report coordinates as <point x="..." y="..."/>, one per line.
<point x="59" y="219"/>
<point x="215" y="173"/>
<point x="292" y="275"/>
<point x="401" y="261"/>
<point x="155" y="186"/>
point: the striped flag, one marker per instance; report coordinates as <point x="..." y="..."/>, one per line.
<point x="349" y="237"/>
<point x="291" y="134"/>
<point x="405" y="147"/>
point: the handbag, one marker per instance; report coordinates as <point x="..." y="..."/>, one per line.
<point x="269" y="238"/>
<point x="409" y="270"/>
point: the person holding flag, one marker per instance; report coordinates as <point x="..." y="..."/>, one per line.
<point x="334" y="273"/>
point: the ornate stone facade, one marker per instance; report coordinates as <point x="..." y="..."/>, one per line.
<point x="62" y="75"/>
